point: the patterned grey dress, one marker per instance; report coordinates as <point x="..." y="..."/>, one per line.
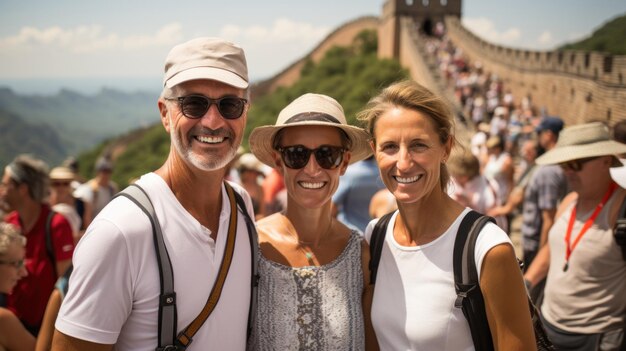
<point x="311" y="308"/>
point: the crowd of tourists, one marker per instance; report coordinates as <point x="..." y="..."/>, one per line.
<point x="325" y="235"/>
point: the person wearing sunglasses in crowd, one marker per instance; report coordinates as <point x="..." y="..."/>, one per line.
<point x="13" y="335"/>
<point x="584" y="306"/>
<point x="113" y="297"/>
<point x="313" y="289"/>
<point x="413" y="306"/>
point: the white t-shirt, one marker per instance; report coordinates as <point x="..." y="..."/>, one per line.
<point x="114" y="289"/>
<point x="413" y="306"/>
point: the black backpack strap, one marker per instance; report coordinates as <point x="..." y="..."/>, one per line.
<point x="49" y="245"/>
<point x="377" y="239"/>
<point x="253" y="238"/>
<point x="466" y="283"/>
<point x="619" y="231"/>
<point x="167" y="298"/>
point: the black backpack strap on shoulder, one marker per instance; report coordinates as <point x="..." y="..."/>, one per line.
<point x="469" y="297"/>
<point x="253" y="238"/>
<point x="167" y="298"/>
<point x="619" y="231"/>
<point x="377" y="239"/>
<point x="49" y="244"/>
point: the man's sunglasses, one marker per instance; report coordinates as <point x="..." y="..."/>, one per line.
<point x="297" y="156"/>
<point x="575" y="165"/>
<point x="196" y="106"/>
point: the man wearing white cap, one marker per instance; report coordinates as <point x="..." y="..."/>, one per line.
<point x="584" y="306"/>
<point x="114" y="298"/>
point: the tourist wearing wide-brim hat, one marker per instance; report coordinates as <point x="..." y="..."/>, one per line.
<point x="310" y="264"/>
<point x="584" y="260"/>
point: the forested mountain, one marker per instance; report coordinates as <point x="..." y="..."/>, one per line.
<point x="18" y="136"/>
<point x="78" y="122"/>
<point x="611" y="38"/>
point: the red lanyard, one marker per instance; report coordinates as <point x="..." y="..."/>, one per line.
<point x="587" y="225"/>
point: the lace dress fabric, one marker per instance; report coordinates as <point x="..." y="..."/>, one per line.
<point x="311" y="308"/>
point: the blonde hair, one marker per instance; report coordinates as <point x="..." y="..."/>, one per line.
<point x="8" y="234"/>
<point x="411" y="95"/>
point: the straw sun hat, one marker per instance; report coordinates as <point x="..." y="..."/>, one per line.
<point x="582" y="141"/>
<point x="309" y="110"/>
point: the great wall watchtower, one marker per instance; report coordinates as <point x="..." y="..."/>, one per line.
<point x="578" y="86"/>
<point x="422" y="12"/>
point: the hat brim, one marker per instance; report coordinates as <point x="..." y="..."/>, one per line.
<point x="574" y="152"/>
<point x="619" y="173"/>
<point x="211" y="73"/>
<point x="262" y="138"/>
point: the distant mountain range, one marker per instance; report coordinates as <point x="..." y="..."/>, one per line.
<point x="56" y="126"/>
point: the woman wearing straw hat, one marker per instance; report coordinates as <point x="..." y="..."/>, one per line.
<point x="313" y="293"/>
<point x="584" y="304"/>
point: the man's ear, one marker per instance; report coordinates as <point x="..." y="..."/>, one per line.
<point x="165" y="120"/>
<point x="278" y="161"/>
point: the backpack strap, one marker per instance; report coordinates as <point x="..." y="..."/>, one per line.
<point x="49" y="244"/>
<point x="377" y="239"/>
<point x="253" y="239"/>
<point x="469" y="297"/>
<point x="167" y="327"/>
<point x="619" y="231"/>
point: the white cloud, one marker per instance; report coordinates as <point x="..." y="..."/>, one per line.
<point x="282" y="30"/>
<point x="545" y="38"/>
<point x="92" y="38"/>
<point x="485" y="28"/>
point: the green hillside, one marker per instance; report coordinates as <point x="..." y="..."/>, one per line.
<point x="352" y="75"/>
<point x="611" y="38"/>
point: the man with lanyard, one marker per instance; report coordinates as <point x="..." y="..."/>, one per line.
<point x="584" y="306"/>
<point x="113" y="297"/>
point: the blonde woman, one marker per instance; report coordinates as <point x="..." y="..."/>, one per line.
<point x="13" y="335"/>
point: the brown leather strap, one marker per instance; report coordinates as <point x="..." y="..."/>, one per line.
<point x="185" y="337"/>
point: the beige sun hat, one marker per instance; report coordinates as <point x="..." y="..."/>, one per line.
<point x="582" y="141"/>
<point x="309" y="109"/>
<point x="61" y="173"/>
<point x="206" y="58"/>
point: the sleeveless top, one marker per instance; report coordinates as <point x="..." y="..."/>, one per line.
<point x="589" y="297"/>
<point x="312" y="308"/>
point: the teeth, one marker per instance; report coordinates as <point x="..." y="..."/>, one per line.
<point x="408" y="180"/>
<point x="308" y="185"/>
<point x="210" y="140"/>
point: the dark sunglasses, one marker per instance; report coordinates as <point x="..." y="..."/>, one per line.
<point x="60" y="183"/>
<point x="297" y="156"/>
<point x="576" y="165"/>
<point x="196" y="106"/>
<point x="16" y="264"/>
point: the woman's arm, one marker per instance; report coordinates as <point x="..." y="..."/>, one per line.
<point x="368" y="294"/>
<point x="13" y="335"/>
<point x="44" y="338"/>
<point x="506" y="301"/>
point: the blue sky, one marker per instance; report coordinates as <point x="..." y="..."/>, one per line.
<point x="122" y="44"/>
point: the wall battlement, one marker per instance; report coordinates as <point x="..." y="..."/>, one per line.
<point x="601" y="67"/>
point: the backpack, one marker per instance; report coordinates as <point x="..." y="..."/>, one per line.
<point x="167" y="326"/>
<point x="469" y="297"/>
<point x="619" y="231"/>
<point x="49" y="246"/>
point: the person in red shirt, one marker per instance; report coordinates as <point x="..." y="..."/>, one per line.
<point x="24" y="187"/>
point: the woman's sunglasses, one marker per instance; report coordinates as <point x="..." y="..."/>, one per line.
<point x="297" y="156"/>
<point x="196" y="106"/>
<point x="576" y="165"/>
